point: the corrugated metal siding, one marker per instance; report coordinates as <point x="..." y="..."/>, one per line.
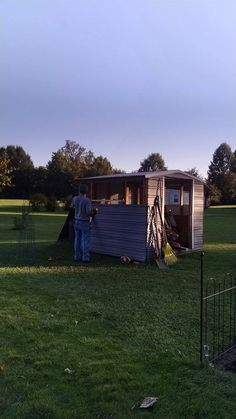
<point x="198" y="215"/>
<point x="120" y="230"/>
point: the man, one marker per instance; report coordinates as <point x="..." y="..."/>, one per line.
<point x="83" y="213"/>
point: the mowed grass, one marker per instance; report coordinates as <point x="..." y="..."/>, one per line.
<point x="124" y="331"/>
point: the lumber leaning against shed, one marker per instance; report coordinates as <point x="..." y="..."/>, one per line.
<point x="124" y="201"/>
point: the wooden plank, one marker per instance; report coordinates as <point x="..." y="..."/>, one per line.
<point x="198" y="215"/>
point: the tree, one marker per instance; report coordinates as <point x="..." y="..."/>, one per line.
<point x="221" y="172"/>
<point x="233" y="165"/>
<point x="40" y="180"/>
<point x="5" y="171"/>
<point x="194" y="172"/>
<point x="221" y="163"/>
<point x="100" y="166"/>
<point x="19" y="159"/>
<point x="72" y="158"/>
<point x="67" y="165"/>
<point x="214" y="194"/>
<point x="229" y="188"/>
<point x="23" y="167"/>
<point x="152" y="163"/>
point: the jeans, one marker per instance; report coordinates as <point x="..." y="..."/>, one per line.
<point x="82" y="240"/>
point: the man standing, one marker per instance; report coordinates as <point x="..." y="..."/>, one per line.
<point x="83" y="211"/>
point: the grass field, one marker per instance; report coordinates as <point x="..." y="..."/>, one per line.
<point x="126" y="332"/>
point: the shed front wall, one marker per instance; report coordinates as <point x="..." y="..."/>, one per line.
<point x="120" y="230"/>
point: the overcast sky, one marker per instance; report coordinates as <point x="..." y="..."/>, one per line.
<point x="124" y="78"/>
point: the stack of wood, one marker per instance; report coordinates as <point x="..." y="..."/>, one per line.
<point x="172" y="234"/>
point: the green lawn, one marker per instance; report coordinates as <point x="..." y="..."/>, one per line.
<point x="125" y="331"/>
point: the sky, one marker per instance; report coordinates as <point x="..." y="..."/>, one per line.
<point x="123" y="78"/>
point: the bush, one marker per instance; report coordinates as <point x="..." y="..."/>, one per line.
<point x="19" y="223"/>
<point x="51" y="204"/>
<point x="38" y="201"/>
<point x="67" y="202"/>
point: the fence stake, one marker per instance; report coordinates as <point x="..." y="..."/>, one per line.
<point x="201" y="308"/>
<point x="230" y="310"/>
<point x="214" y="324"/>
<point x="223" y="318"/>
<point x="235" y="312"/>
<point x="219" y="323"/>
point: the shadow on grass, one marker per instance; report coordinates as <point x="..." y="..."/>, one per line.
<point x="49" y="254"/>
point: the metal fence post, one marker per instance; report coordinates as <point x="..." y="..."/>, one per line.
<point x="201" y="308"/>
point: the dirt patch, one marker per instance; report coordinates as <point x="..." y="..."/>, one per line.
<point x="227" y="360"/>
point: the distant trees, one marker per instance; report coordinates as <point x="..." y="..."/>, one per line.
<point x="194" y="172"/>
<point x="19" y="178"/>
<point x="5" y="171"/>
<point x="100" y="166"/>
<point x="222" y="175"/>
<point x="152" y="163"/>
<point x="39" y="180"/>
<point x="70" y="163"/>
<point x="66" y="166"/>
<point x="22" y="169"/>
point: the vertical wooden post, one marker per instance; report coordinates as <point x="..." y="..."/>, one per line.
<point x="163" y="199"/>
<point x="145" y="191"/>
<point x="182" y="196"/>
<point x="91" y="191"/>
<point x="126" y="194"/>
<point x="138" y="196"/>
<point x="192" y="214"/>
<point x="182" y="200"/>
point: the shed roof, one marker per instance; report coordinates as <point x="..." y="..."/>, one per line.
<point x="178" y="174"/>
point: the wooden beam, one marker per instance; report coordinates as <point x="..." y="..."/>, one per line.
<point x="163" y="198"/>
<point x="182" y="196"/>
<point x="192" y="213"/>
<point x="138" y="196"/>
<point x="91" y="191"/>
<point x="126" y="194"/>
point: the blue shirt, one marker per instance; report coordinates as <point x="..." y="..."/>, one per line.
<point x="83" y="207"/>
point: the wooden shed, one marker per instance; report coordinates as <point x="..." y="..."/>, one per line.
<point x="125" y="201"/>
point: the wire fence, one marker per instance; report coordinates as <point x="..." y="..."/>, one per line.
<point x="218" y="316"/>
<point x="26" y="236"/>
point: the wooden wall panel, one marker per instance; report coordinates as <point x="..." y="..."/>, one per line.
<point x="151" y="190"/>
<point x="198" y="213"/>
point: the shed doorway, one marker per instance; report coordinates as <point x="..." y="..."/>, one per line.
<point x="178" y="211"/>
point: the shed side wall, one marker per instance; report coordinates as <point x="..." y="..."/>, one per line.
<point x="198" y="215"/>
<point x="120" y="230"/>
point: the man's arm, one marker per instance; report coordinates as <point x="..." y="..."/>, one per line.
<point x="90" y="210"/>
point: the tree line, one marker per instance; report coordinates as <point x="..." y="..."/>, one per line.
<point x="20" y="179"/>
<point x="59" y="178"/>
